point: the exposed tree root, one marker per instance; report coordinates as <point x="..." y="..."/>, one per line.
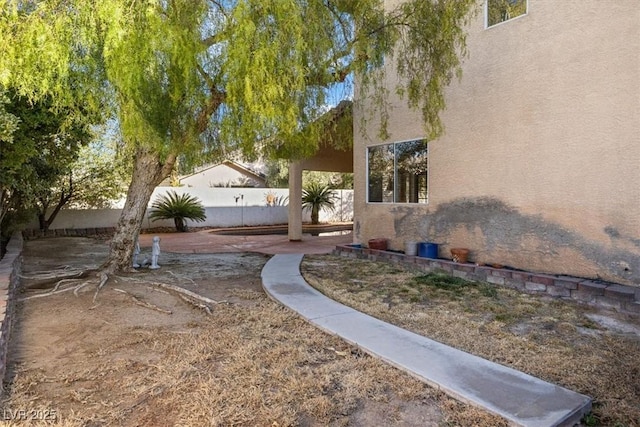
<point x="46" y="294"/>
<point x="42" y="280"/>
<point x="188" y="293"/>
<point x="57" y="290"/>
<point x="192" y="298"/>
<point x="142" y="303"/>
<point x="61" y="282"/>
<point x="66" y="275"/>
<point x="80" y="286"/>
<point x="196" y="304"/>
<point x="104" y="278"/>
<point x="182" y="277"/>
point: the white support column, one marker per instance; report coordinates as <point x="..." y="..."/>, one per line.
<point x="295" y="201"/>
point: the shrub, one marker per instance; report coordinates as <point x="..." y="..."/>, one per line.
<point x="316" y="197"/>
<point x="179" y="208"/>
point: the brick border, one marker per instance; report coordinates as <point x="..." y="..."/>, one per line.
<point x="31" y="234"/>
<point x="10" y="268"/>
<point x="622" y="298"/>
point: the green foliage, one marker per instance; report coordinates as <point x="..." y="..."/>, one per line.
<point x="8" y="122"/>
<point x="95" y="179"/>
<point x="178" y="207"/>
<point x="317" y="197"/>
<point x="193" y="76"/>
<point x="335" y="180"/>
<point x="11" y="155"/>
<point x="277" y="173"/>
<point x="98" y="177"/>
<point x="198" y="79"/>
<point x="44" y="145"/>
<point x="429" y="39"/>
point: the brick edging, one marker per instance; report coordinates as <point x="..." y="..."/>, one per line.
<point x="30" y="234"/>
<point x="625" y="299"/>
<point x="10" y="268"/>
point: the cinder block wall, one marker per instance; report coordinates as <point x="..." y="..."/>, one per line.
<point x="10" y="268"/>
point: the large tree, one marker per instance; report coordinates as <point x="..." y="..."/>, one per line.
<point x="187" y="77"/>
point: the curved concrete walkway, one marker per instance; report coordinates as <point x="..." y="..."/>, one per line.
<point x="520" y="398"/>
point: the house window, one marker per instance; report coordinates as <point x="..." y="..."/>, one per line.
<point x="397" y="173"/>
<point x="497" y="11"/>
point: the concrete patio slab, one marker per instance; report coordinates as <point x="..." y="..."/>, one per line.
<point x="520" y="398"/>
<point x="207" y="241"/>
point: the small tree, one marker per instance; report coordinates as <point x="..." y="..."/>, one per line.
<point x="93" y="181"/>
<point x="316" y="197"/>
<point x="178" y="207"/>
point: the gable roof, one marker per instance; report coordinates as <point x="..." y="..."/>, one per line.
<point x="257" y="175"/>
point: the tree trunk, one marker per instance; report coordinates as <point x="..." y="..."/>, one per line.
<point x="42" y="215"/>
<point x="46" y="223"/>
<point x="180" y="224"/>
<point x="42" y="220"/>
<point x="315" y="215"/>
<point x="148" y="172"/>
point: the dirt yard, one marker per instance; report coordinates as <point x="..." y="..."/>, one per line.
<point x="594" y="352"/>
<point x="142" y="355"/>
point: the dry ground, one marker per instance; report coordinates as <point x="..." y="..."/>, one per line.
<point x="593" y="352"/>
<point x="250" y="362"/>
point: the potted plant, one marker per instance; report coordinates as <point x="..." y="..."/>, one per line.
<point x="459" y="255"/>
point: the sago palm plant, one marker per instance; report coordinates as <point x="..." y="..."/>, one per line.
<point x="316" y="197"/>
<point x="178" y="207"/>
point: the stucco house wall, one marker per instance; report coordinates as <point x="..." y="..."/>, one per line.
<point x="539" y="166"/>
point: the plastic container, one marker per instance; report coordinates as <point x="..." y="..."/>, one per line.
<point x="428" y="250"/>
<point x="411" y="248"/>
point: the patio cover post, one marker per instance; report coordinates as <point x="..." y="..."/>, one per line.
<point x="295" y="201"/>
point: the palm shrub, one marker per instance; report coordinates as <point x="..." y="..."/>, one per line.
<point x="316" y="197"/>
<point x="178" y="207"/>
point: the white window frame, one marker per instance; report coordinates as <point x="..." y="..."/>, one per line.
<point x="395" y="173"/>
<point x="486" y="15"/>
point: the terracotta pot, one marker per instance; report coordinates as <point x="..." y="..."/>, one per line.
<point x="459" y="255"/>
<point x="379" y="244"/>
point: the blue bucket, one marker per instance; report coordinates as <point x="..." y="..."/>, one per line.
<point x="428" y="250"/>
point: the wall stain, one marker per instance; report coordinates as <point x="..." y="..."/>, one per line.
<point x="615" y="234"/>
<point x="505" y="228"/>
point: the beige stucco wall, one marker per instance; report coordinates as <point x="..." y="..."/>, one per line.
<point x="222" y="175"/>
<point x="539" y="166"/>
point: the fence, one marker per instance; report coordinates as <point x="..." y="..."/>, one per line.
<point x="224" y="207"/>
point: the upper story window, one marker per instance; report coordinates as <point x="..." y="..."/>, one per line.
<point x="397" y="173"/>
<point x="497" y="11"/>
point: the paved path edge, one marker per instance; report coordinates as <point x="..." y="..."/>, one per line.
<point x="520" y="398"/>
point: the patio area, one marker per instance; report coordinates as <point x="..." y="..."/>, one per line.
<point x="209" y="241"/>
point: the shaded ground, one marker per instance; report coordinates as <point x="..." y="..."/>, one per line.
<point x="591" y="351"/>
<point x="250" y="362"/>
